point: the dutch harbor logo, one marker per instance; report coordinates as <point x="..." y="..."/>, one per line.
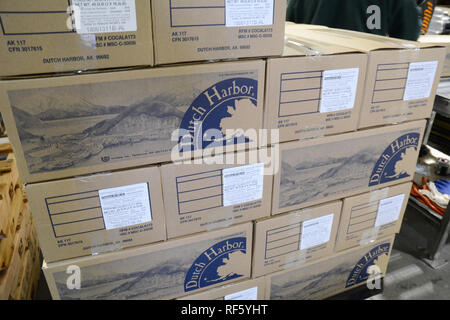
<point x="221" y="262"/>
<point x="375" y="259"/>
<point x="219" y="116"/>
<point x="395" y="160"/>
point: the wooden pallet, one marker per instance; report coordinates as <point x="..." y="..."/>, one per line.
<point x="9" y="184"/>
<point x="10" y="277"/>
<point x="19" y="248"/>
<point x="30" y="271"/>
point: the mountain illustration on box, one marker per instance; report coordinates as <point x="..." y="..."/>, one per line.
<point x="67" y="135"/>
<point x="155" y="275"/>
<point x="331" y="169"/>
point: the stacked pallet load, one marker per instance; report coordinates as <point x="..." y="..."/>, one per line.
<point x="173" y="150"/>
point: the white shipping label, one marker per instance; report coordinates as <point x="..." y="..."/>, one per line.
<point x="125" y="206"/>
<point x="242" y="184"/>
<point x="316" y="231"/>
<point x="249" y="294"/>
<point x="241" y="13"/>
<point x="420" y="80"/>
<point x="99" y="16"/>
<point x="338" y="89"/>
<point x="389" y="210"/>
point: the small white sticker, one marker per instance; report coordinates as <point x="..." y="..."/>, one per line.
<point x="242" y="184"/>
<point x="316" y="231"/>
<point x="125" y="206"/>
<point x="389" y="210"/>
<point x="249" y="294"/>
<point x="338" y="89"/>
<point x="93" y="16"/>
<point x="420" y="80"/>
<point x="241" y="13"/>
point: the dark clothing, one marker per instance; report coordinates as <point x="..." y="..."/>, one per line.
<point x="398" y="18"/>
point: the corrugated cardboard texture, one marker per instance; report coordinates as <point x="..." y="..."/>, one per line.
<point x="254" y="288"/>
<point x="194" y="196"/>
<point x="332" y="275"/>
<point x="160" y="271"/>
<point x="295" y="90"/>
<point x="196" y="30"/>
<point x="390" y="73"/>
<point x="360" y="213"/>
<point x="67" y="126"/>
<point x="440" y="40"/>
<point x="41" y="37"/>
<point x="278" y="240"/>
<point x="334" y="167"/>
<point x="69" y="216"/>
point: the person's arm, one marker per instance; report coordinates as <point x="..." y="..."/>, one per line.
<point x="404" y="20"/>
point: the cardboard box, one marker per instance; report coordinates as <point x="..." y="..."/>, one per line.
<point x="315" y="89"/>
<point x="401" y="79"/>
<point x="371" y="216"/>
<point x="165" y="270"/>
<point x="253" y="289"/>
<point x="332" y="275"/>
<point x="439" y="40"/>
<point x="204" y="197"/>
<point x="295" y="238"/>
<point x="330" y="168"/>
<point x="99" y="213"/>
<point x="68" y="126"/>
<point x="57" y="36"/>
<point x="199" y="30"/>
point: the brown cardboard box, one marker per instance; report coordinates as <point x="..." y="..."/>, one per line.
<point x="315" y="89"/>
<point x="58" y="35"/>
<point x="98" y="213"/>
<point x="439" y="40"/>
<point x="253" y="289"/>
<point x="295" y="238"/>
<point x="330" y="168"/>
<point x="371" y="216"/>
<point x="165" y="270"/>
<point x="401" y="78"/>
<point x="204" y="197"/>
<point x="74" y="125"/>
<point x="332" y="275"/>
<point x="198" y="30"/>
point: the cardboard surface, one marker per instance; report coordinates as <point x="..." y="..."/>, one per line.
<point x="315" y="89"/>
<point x="371" y="216"/>
<point x="439" y="40"/>
<point x="193" y="30"/>
<point x="332" y="275"/>
<point x="253" y="289"/>
<point x="401" y="79"/>
<point x="73" y="218"/>
<point x="166" y="270"/>
<point x="54" y="36"/>
<point x="334" y="167"/>
<point x="295" y="238"/>
<point x="68" y="126"/>
<point x="199" y="197"/>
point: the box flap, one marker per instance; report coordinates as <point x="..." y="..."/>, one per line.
<point x="357" y="40"/>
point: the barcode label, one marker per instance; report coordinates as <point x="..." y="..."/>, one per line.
<point x="125" y="206"/>
<point x="100" y="16"/>
<point x="241" y="13"/>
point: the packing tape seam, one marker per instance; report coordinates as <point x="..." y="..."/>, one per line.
<point x="369" y="236"/>
<point x="111" y="242"/>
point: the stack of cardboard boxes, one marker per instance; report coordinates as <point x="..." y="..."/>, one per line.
<point x="214" y="165"/>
